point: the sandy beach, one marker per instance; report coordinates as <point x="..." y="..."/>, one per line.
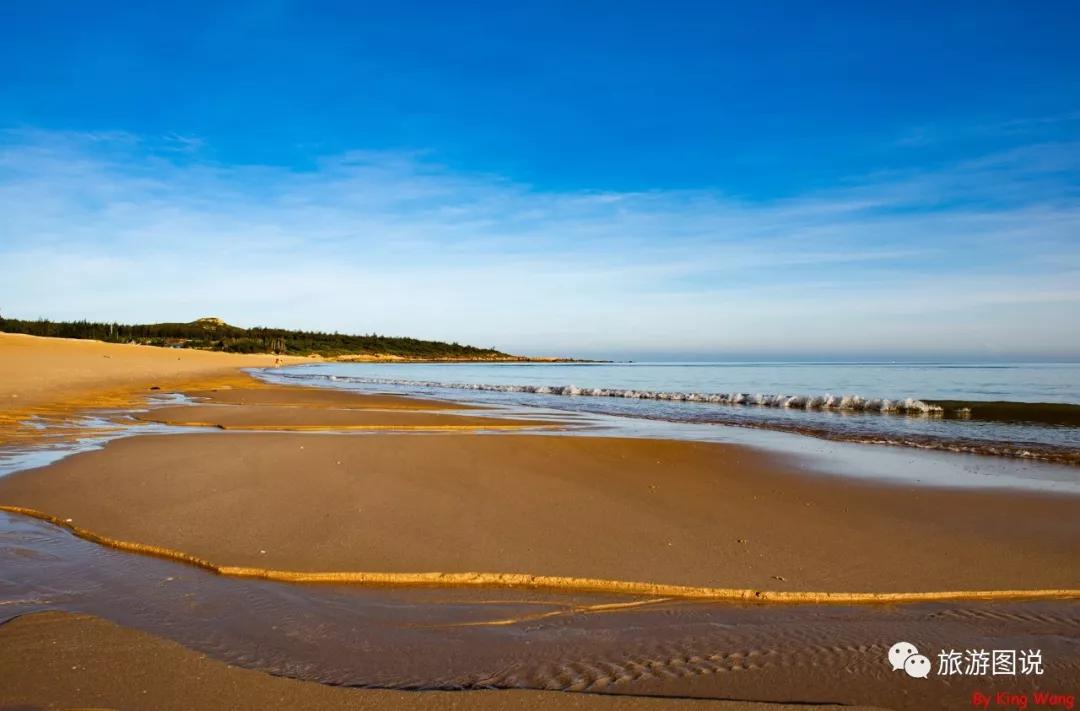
<point x="52" y="378"/>
<point x="437" y="496"/>
<point x="677" y="513"/>
<point x="300" y="417"/>
<point x="57" y="660"/>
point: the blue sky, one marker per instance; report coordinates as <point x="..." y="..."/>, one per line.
<point x="582" y="178"/>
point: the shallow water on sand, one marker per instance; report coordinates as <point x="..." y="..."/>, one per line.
<point x="815" y="455"/>
<point x="438" y="638"/>
<point x="1035" y="412"/>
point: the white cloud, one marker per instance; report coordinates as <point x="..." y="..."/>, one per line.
<point x="113" y="226"/>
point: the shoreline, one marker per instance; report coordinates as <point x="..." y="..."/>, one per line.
<point x="303" y="494"/>
<point x="685" y="505"/>
<point x="851" y="419"/>
<point x="386" y="358"/>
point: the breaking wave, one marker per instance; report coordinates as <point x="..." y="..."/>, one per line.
<point x="1048" y="432"/>
<point x="844" y="403"/>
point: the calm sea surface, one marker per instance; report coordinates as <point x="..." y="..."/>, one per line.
<point x="926" y="405"/>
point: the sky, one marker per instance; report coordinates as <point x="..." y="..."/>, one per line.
<point x="647" y="180"/>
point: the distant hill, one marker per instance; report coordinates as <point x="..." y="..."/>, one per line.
<point x="216" y="335"/>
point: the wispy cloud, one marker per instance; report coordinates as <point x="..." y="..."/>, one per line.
<point x="980" y="256"/>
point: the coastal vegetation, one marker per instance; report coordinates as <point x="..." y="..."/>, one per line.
<point x="216" y="335"/>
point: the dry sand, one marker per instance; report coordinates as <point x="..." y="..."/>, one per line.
<point x="640" y="510"/>
<point x="56" y="660"/>
<point x="56" y="377"/>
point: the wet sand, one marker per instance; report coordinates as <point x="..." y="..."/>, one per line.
<point x="56" y="660"/>
<point x="452" y="638"/>
<point x="312" y="398"/>
<point x="301" y="418"/>
<point x="679" y="513"/>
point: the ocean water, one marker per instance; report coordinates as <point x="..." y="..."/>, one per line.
<point x="1029" y="410"/>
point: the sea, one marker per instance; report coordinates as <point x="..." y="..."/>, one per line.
<point x="1019" y="410"/>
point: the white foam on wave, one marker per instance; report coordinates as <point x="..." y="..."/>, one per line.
<point x="848" y="403"/>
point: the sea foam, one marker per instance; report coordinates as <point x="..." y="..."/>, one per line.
<point x="849" y="403"/>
